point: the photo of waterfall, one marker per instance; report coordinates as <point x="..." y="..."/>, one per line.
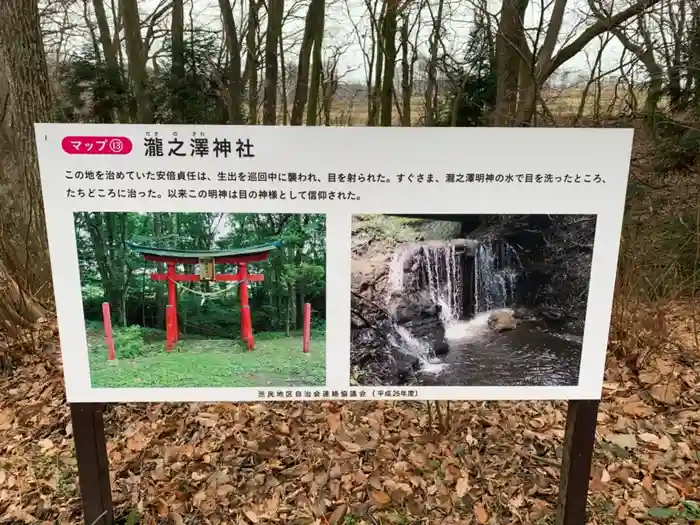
<point x="469" y="300"/>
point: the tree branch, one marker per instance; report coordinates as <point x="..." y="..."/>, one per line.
<point x="593" y="31"/>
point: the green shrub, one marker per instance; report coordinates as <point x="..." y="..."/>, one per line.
<point x="129" y="342"/>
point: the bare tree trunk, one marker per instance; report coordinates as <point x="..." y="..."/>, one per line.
<point x="694" y="59"/>
<point x="251" y="65"/>
<point x="18" y="308"/>
<point x="116" y="9"/>
<point x="376" y="95"/>
<point x="676" y="51"/>
<point x="301" y="91"/>
<point x="406" y="80"/>
<point x="177" y="71"/>
<point x="137" y="60"/>
<point x="94" y="39"/>
<point x="22" y="225"/>
<point x="597" y="102"/>
<point x="508" y="46"/>
<point x="591" y="81"/>
<point x="111" y="54"/>
<point x="161" y="268"/>
<point x="330" y="87"/>
<point x="546" y="62"/>
<point x="235" y="85"/>
<point x="290" y="309"/>
<point x="389" y="39"/>
<point x="283" y="83"/>
<point x="274" y="33"/>
<point x="369" y="86"/>
<point x="317" y="67"/>
<point x="431" y="84"/>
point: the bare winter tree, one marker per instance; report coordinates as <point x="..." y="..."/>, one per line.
<point x="518" y="95"/>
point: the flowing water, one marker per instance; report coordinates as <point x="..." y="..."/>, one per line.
<point x="444" y="280"/>
<point x="496" y="271"/>
<point x="531" y="354"/>
<point x="402" y="338"/>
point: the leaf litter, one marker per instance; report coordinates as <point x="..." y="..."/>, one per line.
<point x="352" y="463"/>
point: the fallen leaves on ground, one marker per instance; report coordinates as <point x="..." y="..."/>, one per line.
<point x="353" y="463"/>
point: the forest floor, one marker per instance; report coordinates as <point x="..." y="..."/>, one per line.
<point x="360" y="463"/>
<point x="277" y="361"/>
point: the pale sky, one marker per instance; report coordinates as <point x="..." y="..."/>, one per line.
<point x="345" y="19"/>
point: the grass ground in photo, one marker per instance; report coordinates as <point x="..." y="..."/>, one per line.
<point x="142" y="362"/>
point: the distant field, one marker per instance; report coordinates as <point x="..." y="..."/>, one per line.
<point x="560" y="103"/>
<point x="350" y="109"/>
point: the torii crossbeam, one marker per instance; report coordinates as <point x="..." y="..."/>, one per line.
<point x="207" y="261"/>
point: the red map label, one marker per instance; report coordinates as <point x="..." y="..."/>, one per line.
<point x="97" y="145"/>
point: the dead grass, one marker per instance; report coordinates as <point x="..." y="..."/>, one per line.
<point x="655" y="312"/>
<point x="561" y="104"/>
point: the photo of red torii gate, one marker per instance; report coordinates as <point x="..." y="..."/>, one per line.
<point x="207" y="261"/>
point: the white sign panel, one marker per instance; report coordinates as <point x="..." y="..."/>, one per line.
<point x="231" y="263"/>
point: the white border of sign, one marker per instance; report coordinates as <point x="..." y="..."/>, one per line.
<point x="321" y="150"/>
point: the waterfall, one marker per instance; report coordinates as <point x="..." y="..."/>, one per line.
<point x="437" y="269"/>
<point x="396" y="270"/>
<point x="496" y="271"/>
<point x="401" y="337"/>
<point x="443" y="279"/>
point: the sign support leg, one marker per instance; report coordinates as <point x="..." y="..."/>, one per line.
<point x="93" y="465"/>
<point x="576" y="462"/>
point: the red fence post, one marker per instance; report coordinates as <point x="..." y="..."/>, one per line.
<point x="307" y="327"/>
<point x="109" y="338"/>
<point x="169" y="339"/>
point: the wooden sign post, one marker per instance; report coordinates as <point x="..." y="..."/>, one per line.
<point x="95" y="490"/>
<point x="575" y="471"/>
<point x="93" y="464"/>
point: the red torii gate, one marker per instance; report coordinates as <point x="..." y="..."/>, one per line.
<point x="207" y="260"/>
